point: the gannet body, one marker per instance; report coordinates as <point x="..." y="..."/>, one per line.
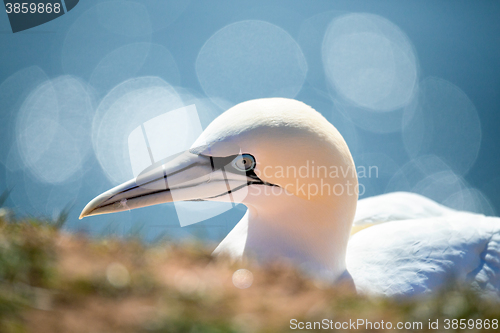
<point x="302" y="198"/>
<point x="396" y="206"/>
<point x="423" y="255"/>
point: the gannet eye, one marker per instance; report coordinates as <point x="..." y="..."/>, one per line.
<point x="245" y="162"/>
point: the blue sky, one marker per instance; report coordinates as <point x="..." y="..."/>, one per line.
<point x="445" y="56"/>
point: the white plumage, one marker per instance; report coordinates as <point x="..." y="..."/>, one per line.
<point x="422" y="247"/>
<point x="403" y="243"/>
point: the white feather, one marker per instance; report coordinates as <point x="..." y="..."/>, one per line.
<point x="424" y="254"/>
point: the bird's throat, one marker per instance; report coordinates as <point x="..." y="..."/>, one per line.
<point x="311" y="235"/>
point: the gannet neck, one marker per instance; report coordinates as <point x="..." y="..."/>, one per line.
<point x="312" y="235"/>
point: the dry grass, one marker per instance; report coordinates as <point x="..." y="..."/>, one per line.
<point x="53" y="282"/>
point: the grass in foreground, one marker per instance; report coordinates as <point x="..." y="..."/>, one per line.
<point x="51" y="281"/>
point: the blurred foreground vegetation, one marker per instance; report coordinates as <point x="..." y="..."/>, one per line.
<point x="51" y="281"/>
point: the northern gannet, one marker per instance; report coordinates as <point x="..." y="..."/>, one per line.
<point x="408" y="244"/>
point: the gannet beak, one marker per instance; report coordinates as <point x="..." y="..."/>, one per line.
<point x="186" y="177"/>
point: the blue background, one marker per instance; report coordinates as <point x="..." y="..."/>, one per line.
<point x="458" y="41"/>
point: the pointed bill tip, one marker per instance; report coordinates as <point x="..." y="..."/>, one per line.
<point x="95" y="206"/>
<point x="87" y="211"/>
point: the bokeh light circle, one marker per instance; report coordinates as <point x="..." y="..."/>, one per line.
<point x="251" y="59"/>
<point x="118" y="275"/>
<point x="13" y="92"/>
<point x="242" y="278"/>
<point x="53" y="127"/>
<point x="431" y="177"/>
<point x="310" y="39"/>
<point x="123" y="109"/>
<point x="119" y="65"/>
<point x="370" y="62"/>
<point x="444" y="123"/>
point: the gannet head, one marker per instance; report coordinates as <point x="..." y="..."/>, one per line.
<point x="272" y="142"/>
<point x="294" y="164"/>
